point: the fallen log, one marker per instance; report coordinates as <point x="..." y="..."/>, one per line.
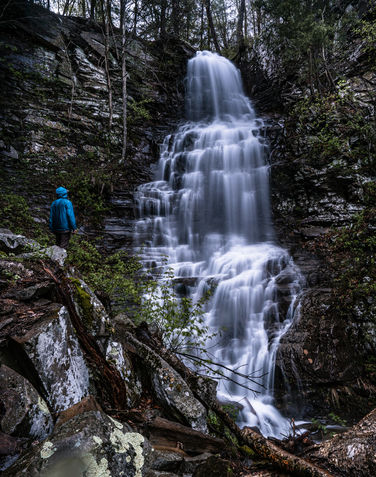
<point x="171" y="434"/>
<point x="266" y="449"/>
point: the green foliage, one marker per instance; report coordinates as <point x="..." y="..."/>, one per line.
<point x="220" y="429"/>
<point x="232" y="411"/>
<point x="112" y="276"/>
<point x="302" y="37"/>
<point x="120" y="278"/>
<point x="15" y="214"/>
<point x="322" y="429"/>
<point x="138" y="111"/>
<point x="318" y="426"/>
<point x="334" y="129"/>
<point x="85" y="190"/>
<point x="180" y="320"/>
<point x="367" y="31"/>
<point x="338" y="420"/>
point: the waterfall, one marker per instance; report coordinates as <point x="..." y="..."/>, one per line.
<point x="208" y="211"/>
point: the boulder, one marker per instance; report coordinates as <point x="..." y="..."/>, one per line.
<point x="90" y="444"/>
<point x="54" y="350"/>
<point x="352" y="453"/>
<point x="91" y="311"/>
<point x="55" y="253"/>
<point x="215" y="467"/>
<point x="168" y="387"/>
<point x="24" y="412"/>
<point x="14" y="243"/>
<point x="32" y="292"/>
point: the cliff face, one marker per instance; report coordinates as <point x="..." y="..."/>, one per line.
<point x="323" y="197"/>
<point x="54" y="131"/>
<point x="55" y="111"/>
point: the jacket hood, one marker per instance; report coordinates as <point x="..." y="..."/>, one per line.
<point x="61" y="192"/>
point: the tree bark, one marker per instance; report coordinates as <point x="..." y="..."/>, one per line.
<point x="135" y="18"/>
<point x="213" y="33"/>
<point x="239" y="26"/>
<point x="124" y="81"/>
<point x="163" y="20"/>
<point x="106" y="20"/>
<point x="175" y="15"/>
<point x="93" y="5"/>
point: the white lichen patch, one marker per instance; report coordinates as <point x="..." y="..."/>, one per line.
<point x="42" y="405"/>
<point x="95" y="469"/>
<point x="122" y="442"/>
<point x="116" y="423"/>
<point x="119" y="441"/>
<point x="59" y="360"/>
<point x="114" y="352"/>
<point x="97" y="440"/>
<point x="354" y="449"/>
<point x="47" y="450"/>
<point x="136" y="440"/>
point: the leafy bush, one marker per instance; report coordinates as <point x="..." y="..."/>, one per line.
<point x="179" y="319"/>
<point x="120" y="278"/>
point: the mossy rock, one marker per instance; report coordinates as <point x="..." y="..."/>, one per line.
<point x="215" y="467"/>
<point x="84" y="302"/>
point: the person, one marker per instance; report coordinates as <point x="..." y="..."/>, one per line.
<point x="62" y="220"/>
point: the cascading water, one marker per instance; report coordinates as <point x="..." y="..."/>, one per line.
<point x="209" y="213"/>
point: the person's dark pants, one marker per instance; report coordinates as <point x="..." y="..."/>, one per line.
<point x="62" y="239"/>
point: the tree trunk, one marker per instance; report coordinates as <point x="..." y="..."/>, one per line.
<point x="213" y="33"/>
<point x="162" y="22"/>
<point x="175" y="17"/>
<point x="202" y="27"/>
<point x="83" y="8"/>
<point x="106" y="20"/>
<point x="66" y="7"/>
<point x="93" y="5"/>
<point x="124" y="81"/>
<point x="239" y="26"/>
<point x="135" y="18"/>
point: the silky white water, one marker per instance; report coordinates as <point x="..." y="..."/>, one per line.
<point x="208" y="211"/>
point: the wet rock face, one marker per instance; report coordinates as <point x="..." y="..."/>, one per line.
<point x="55" y="112"/>
<point x="323" y="357"/>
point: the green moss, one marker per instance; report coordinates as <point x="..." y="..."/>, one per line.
<point x="213" y="421"/>
<point x="217" y="426"/>
<point x="247" y="451"/>
<point x="84" y="301"/>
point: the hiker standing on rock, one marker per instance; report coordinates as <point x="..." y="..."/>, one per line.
<point x="62" y="220"/>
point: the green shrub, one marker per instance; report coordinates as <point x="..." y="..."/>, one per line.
<point x="120" y="278"/>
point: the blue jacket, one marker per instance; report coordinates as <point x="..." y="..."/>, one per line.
<point x="61" y="215"/>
